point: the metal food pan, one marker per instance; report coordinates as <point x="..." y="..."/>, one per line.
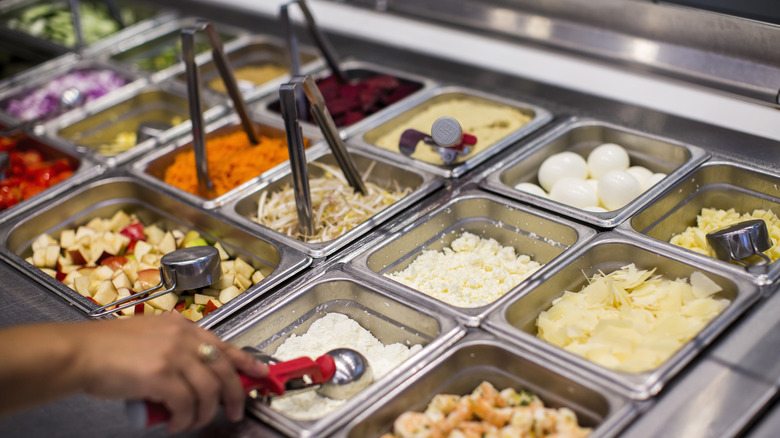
<point x="388" y="319"/>
<point x="84" y="169"/>
<point x="353" y="69"/>
<point x="399" y="117"/>
<point x="581" y="136"/>
<point x="152" y="167"/>
<point x="259" y="50"/>
<point x="132" y="52"/>
<point x="542" y="236"/>
<point x="148" y="16"/>
<point x="40" y="77"/>
<point x="382" y="173"/>
<point x="87" y="130"/>
<point x="716" y="184"/>
<point x="481" y="357"/>
<point x="104" y="197"/>
<point x="516" y="319"/>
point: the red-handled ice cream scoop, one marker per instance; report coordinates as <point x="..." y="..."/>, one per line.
<point x="446" y="138"/>
<point x="317" y="372"/>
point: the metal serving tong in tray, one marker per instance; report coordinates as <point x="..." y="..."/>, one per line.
<point x="338" y="374"/>
<point x="75" y="13"/>
<point x="446" y="138"/>
<point x="205" y="185"/>
<point x="741" y="241"/>
<point x="300" y="174"/>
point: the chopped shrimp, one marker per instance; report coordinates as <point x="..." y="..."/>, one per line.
<point x="412" y="425"/>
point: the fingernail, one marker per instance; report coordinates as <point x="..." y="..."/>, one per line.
<point x="236" y="414"/>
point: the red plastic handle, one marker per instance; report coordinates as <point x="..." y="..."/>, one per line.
<point x="320" y="370"/>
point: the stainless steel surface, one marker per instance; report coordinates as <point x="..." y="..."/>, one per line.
<point x="541" y="236"/>
<point x="716" y="184"/>
<point x="383" y="173"/>
<point x="390" y="319"/>
<point x="106" y="196"/>
<point x="740" y="241"/>
<point x="354" y="69"/>
<point x="402" y="113"/>
<point x="581" y="136"/>
<point x="481" y="357"/>
<point x="353" y="374"/>
<point x="516" y="320"/>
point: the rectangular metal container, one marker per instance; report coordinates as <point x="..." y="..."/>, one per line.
<point x="481" y="357"/>
<point x="581" y="136"/>
<point x="382" y="173"/>
<point x="166" y="38"/>
<point x="716" y="184"/>
<point x="258" y="50"/>
<point x="388" y="318"/>
<point x="516" y="319"/>
<point x="269" y="105"/>
<point x="148" y="16"/>
<point x="152" y="166"/>
<point x="400" y="115"/>
<point x="85" y="131"/>
<point x="104" y="197"/>
<point x="542" y="236"/>
<point x="84" y="169"/>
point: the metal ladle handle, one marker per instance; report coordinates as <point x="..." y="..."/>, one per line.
<point x="75" y="15"/>
<point x="740" y="241"/>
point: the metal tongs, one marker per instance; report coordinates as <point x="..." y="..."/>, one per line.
<point x="319" y="38"/>
<point x="287" y="98"/>
<point x="205" y="184"/>
<point x="339" y="374"/>
<point x="184" y="269"/>
<point x="741" y="241"/>
<point x="446" y="138"/>
<point x="75" y="14"/>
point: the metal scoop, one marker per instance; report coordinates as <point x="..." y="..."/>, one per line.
<point x="740" y="241"/>
<point x="184" y="269"/>
<point x="446" y="138"/>
<point x="339" y="374"/>
<point x="150" y="129"/>
<point x="70" y="98"/>
<point x="5" y="161"/>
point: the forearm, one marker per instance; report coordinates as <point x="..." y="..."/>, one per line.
<point x="39" y="365"/>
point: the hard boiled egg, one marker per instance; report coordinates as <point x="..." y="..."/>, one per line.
<point x="532" y="189"/>
<point x="617" y="188"/>
<point x="574" y="192"/>
<point x="640" y="173"/>
<point x="653" y="180"/>
<point x="561" y="165"/>
<point x="606" y="157"/>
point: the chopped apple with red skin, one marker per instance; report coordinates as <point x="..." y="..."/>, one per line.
<point x="67" y="238"/>
<point x="181" y="305"/>
<point x="165" y="302"/>
<point x="211" y="306"/>
<point x="122" y="281"/>
<point x="118" y="221"/>
<point x="60" y="275"/>
<point x="114" y="262"/>
<point x="134" y="231"/>
<point x="131" y="247"/>
<point x="167" y="243"/>
<point x="242" y="282"/>
<point x="141" y="249"/>
<point x="148" y="278"/>
<point x="228" y="294"/>
<point x="192" y="314"/>
<point x="81" y="285"/>
<point x="78" y="255"/>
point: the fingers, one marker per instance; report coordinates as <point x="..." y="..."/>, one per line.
<point x="244" y="362"/>
<point x="179" y="398"/>
<point x="232" y="392"/>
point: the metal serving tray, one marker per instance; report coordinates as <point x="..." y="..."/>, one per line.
<point x="152" y="167"/>
<point x="258" y="50"/>
<point x="383" y="173"/>
<point x="85" y="130"/>
<point x="388" y="318"/>
<point x="481" y="357"/>
<point x="104" y="197"/>
<point x="582" y="136"/>
<point x="149" y="15"/>
<point x="164" y="37"/>
<point x="354" y="69"/>
<point x="716" y="184"/>
<point x="516" y="320"/>
<point x="540" y="235"/>
<point x="39" y="77"/>
<point x="402" y="114"/>
<point x="85" y="169"/>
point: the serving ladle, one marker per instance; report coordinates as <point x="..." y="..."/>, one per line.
<point x="69" y="99"/>
<point x="446" y="138"/>
<point x="181" y="270"/>
<point x="741" y="241"/>
<point x="205" y="185"/>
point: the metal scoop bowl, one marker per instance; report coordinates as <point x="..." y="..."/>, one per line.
<point x="741" y="241"/>
<point x="184" y="269"/>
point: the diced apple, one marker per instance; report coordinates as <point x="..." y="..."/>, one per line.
<point x="81" y="285"/>
<point x="166" y="302"/>
<point x="97" y="224"/>
<point x="120" y="243"/>
<point x="131" y="269"/>
<point x="243" y="268"/>
<point x="70" y="278"/>
<point x="151" y="259"/>
<point x="43" y="241"/>
<point x="179" y="236"/>
<point x="192" y="314"/>
<point x="211" y="306"/>
<point x="257" y="277"/>
<point x="50" y="272"/>
<point x="224" y="282"/>
<point x="242" y="282"/>
<point x="141" y="249"/>
<point x="228" y="267"/>
<point x="84" y="235"/>
<point x="67" y="238"/>
<point x="121" y="280"/>
<point x="52" y="255"/>
<point x="122" y="292"/>
<point x="167" y="243"/>
<point x="39" y="257"/>
<point x="145" y="266"/>
<point x="102" y="273"/>
<point x="228" y="294"/>
<point x="128" y="311"/>
<point x="86" y="270"/>
<point x="106" y="293"/>
<point x="149" y="278"/>
<point x="78" y="254"/>
<point x="202" y="299"/>
<point x="223" y="255"/>
<point x="213" y="293"/>
<point x="193" y="238"/>
<point x="118" y="221"/>
<point x="154" y="234"/>
<point x="114" y="262"/>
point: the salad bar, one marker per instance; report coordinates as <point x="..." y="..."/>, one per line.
<point x="528" y="253"/>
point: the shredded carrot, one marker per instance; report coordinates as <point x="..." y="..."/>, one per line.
<point x="232" y="161"/>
